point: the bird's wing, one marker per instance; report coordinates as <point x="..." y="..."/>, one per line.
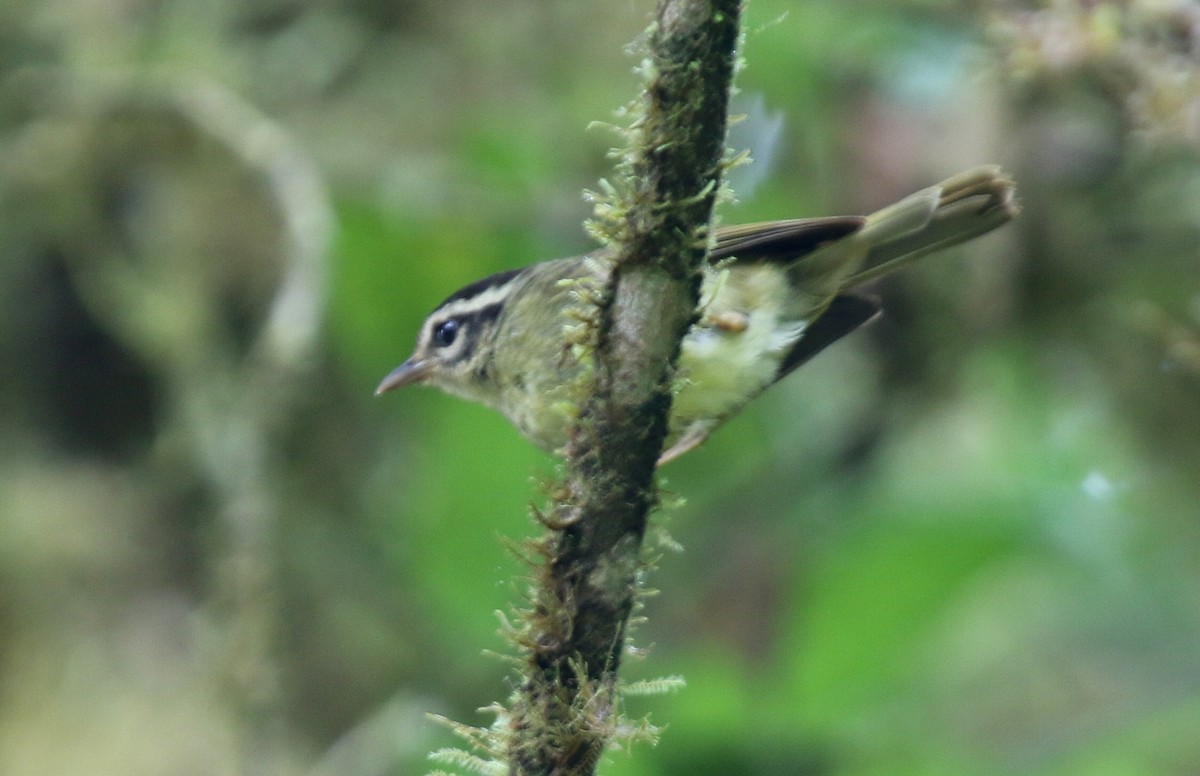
<point x="780" y="241"/>
<point x="845" y="313"/>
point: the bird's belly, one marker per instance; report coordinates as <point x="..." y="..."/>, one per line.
<point x="728" y="357"/>
<point x="720" y="371"/>
<point x="734" y="350"/>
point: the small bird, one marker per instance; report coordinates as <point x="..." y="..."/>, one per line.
<point x="773" y="295"/>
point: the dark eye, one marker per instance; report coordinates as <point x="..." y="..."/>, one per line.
<point x="445" y="333"/>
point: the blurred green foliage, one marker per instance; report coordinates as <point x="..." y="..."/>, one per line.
<point x="964" y="541"/>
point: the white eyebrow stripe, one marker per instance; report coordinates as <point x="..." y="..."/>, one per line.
<point x="486" y="298"/>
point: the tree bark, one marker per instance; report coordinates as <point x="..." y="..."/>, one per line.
<point x="565" y="708"/>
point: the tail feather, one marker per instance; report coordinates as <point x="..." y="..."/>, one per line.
<point x="826" y="256"/>
<point x="967" y="205"/>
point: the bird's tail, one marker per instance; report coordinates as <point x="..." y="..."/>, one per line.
<point x="958" y="209"/>
<point x="851" y="251"/>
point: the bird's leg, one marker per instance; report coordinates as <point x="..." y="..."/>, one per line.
<point x="692" y="438"/>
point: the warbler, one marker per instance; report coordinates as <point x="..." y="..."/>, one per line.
<point x="772" y="296"/>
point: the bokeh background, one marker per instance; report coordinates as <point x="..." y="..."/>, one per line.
<point x="963" y="541"/>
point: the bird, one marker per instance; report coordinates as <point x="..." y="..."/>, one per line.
<point x="772" y="295"/>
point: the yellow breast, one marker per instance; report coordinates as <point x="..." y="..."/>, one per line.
<point x="733" y="352"/>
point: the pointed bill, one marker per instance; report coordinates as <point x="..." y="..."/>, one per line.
<point x="411" y="371"/>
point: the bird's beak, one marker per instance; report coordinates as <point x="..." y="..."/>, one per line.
<point x="411" y="371"/>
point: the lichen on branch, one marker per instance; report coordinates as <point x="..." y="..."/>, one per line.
<point x="655" y="223"/>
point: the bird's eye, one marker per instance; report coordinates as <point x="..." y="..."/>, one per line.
<point x="445" y="333"/>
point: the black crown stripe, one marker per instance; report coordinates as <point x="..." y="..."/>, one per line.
<point x="479" y="286"/>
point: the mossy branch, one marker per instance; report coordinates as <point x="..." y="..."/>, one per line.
<point x="656" y="226"/>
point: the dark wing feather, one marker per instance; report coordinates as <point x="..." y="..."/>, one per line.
<point x="844" y="314"/>
<point x="782" y="241"/>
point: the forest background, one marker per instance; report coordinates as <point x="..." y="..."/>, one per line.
<point x="964" y="540"/>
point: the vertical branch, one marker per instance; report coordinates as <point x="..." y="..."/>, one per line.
<point x="564" y="711"/>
